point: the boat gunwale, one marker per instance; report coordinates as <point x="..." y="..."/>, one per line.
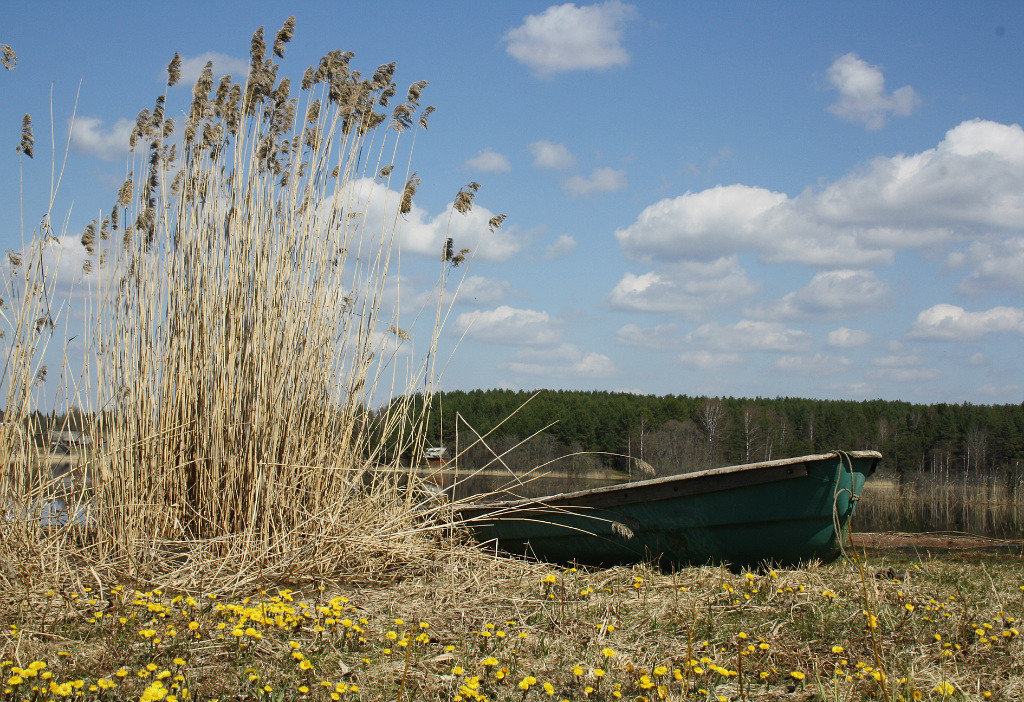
<point x="667" y="480"/>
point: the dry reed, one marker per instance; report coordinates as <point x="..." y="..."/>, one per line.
<point x="235" y="344"/>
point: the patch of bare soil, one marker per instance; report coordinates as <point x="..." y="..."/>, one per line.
<point x="945" y="541"/>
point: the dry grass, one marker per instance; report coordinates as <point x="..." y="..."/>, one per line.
<point x="235" y="342"/>
<point x="482" y="627"/>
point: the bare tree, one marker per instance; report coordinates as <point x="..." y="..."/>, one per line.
<point x="712" y="421"/>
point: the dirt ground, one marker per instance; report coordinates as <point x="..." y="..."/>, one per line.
<point x="952" y="542"/>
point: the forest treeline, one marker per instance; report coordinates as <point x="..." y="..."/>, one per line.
<point x="680" y="433"/>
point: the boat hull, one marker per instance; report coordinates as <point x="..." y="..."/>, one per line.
<point x="778" y="512"/>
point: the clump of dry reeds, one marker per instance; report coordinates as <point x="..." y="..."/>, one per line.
<point x="236" y="344"/>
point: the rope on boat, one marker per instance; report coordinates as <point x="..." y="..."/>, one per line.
<point x="845" y="461"/>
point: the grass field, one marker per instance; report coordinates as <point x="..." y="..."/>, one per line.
<point x="476" y="628"/>
<point x="254" y="533"/>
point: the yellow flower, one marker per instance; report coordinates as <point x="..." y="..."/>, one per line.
<point x="944" y="689"/>
<point x="797" y="675"/>
<point x="837" y="649"/>
<point x="549" y="688"/>
<point x="608" y="653"/>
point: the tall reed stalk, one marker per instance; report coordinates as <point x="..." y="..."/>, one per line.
<point x="236" y="341"/>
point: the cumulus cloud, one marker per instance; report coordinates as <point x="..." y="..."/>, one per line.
<point x="659" y="337"/>
<point x="846" y="338"/>
<point x="709" y="360"/>
<point x="953" y="323"/>
<point x="562" y="247"/>
<point x="862" y="97"/>
<point x="971" y="184"/>
<point x="489" y="161"/>
<point x="747" y="335"/>
<point x="509" y="325"/>
<point x="600" y="180"/>
<point x="570" y="38"/>
<point x="480" y="291"/>
<point x="816" y="365"/>
<point x="566" y="359"/>
<point x="90" y="136"/>
<point x="829" y="295"/>
<point x="552" y="156"/>
<point x="192" y="67"/>
<point x="997" y="266"/>
<point x="421" y="233"/>
<point x="905" y="375"/>
<point x="687" y="287"/>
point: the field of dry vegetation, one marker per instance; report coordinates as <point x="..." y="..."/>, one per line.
<point x="245" y="529"/>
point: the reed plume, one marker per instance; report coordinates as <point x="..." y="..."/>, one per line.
<point x="7" y="56"/>
<point x="27" y="140"/>
<point x="236" y="346"/>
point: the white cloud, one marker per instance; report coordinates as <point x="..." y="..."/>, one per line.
<point x="566" y="359"/>
<point x="192" y="67"/>
<point x="553" y="156"/>
<point x="479" y="291"/>
<point x="747" y="335"/>
<point x="816" y="365"/>
<point x="658" y="337"/>
<point x="509" y="325"/>
<point x="489" y="161"/>
<point x="688" y="287"/>
<point x="971" y="184"/>
<point x="829" y="295"/>
<point x="708" y="360"/>
<point x="89" y="136"/>
<point x="600" y="180"/>
<point x="570" y="38"/>
<point x="862" y="96"/>
<point x="898" y="361"/>
<point x="905" y="375"/>
<point x="563" y="246"/>
<point x="952" y="323"/>
<point x="420" y="233"/>
<point x="846" y="338"/>
<point x="997" y="266"/>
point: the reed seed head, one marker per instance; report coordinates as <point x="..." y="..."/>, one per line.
<point x="89" y="238"/>
<point x="174" y="71"/>
<point x="283" y="36"/>
<point x="427" y="111"/>
<point x="257" y="49"/>
<point x="27" y="140"/>
<point x="7" y="56"/>
<point x="415" y="90"/>
<point x="124" y="195"/>
<point x="313" y="113"/>
<point x="496" y="221"/>
<point x="408" y="192"/>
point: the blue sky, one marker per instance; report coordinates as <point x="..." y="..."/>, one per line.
<point x="803" y="199"/>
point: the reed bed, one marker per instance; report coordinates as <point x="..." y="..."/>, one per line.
<point x="235" y="341"/>
<point x="986" y="505"/>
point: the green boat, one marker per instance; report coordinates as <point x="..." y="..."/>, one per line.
<point x="780" y="512"/>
